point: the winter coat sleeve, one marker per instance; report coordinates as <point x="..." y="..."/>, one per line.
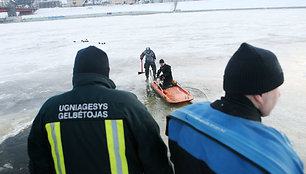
<point x="153" y="56"/>
<point x="159" y="71"/>
<point x="167" y="71"/>
<point x="152" y="151"/>
<point x="38" y="147"/>
<point x="142" y="55"/>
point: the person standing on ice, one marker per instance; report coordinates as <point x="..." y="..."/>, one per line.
<point x="166" y="77"/>
<point x="227" y="136"/>
<point x="150" y="61"/>
<point x="95" y="128"/>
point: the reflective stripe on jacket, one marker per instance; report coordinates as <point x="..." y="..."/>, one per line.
<point x="115" y="143"/>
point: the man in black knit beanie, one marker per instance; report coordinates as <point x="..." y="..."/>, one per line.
<point x="227" y="136"/>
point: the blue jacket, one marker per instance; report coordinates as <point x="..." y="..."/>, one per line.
<point x="228" y="144"/>
<point x="150" y="56"/>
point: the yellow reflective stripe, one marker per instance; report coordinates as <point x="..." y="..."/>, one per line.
<point x="116" y="146"/>
<point x="54" y="137"/>
<point x="122" y="146"/>
<point x="60" y="147"/>
<point x="48" y="128"/>
<point x="110" y="146"/>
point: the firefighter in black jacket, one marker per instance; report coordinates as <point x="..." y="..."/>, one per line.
<point x="166" y="77"/>
<point x="94" y="128"/>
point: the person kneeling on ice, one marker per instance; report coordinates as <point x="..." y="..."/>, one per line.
<point x="166" y="77"/>
<point x="95" y="128"/>
<point x="227" y="136"/>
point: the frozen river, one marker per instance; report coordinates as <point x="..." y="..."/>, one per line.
<point x="37" y="60"/>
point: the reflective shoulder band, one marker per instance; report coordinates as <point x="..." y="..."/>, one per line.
<point x="54" y="137"/>
<point x="116" y="146"/>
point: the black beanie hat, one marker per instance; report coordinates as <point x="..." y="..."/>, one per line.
<point x="91" y="60"/>
<point x="251" y="71"/>
<point x="161" y="61"/>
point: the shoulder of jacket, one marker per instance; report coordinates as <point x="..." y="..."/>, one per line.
<point x="55" y="99"/>
<point x="129" y="100"/>
<point x="124" y="95"/>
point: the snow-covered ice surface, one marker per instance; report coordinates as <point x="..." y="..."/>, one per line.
<point x="37" y="60"/>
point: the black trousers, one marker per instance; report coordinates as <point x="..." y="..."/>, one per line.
<point x="167" y="83"/>
<point x="147" y="66"/>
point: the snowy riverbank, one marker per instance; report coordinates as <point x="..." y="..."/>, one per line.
<point x="153" y="8"/>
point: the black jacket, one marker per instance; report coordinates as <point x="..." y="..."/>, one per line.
<point x="96" y="129"/>
<point x="235" y="105"/>
<point x="167" y="74"/>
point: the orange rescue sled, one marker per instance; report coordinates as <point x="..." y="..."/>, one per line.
<point x="174" y="94"/>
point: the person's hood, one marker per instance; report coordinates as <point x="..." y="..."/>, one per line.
<point x="83" y="79"/>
